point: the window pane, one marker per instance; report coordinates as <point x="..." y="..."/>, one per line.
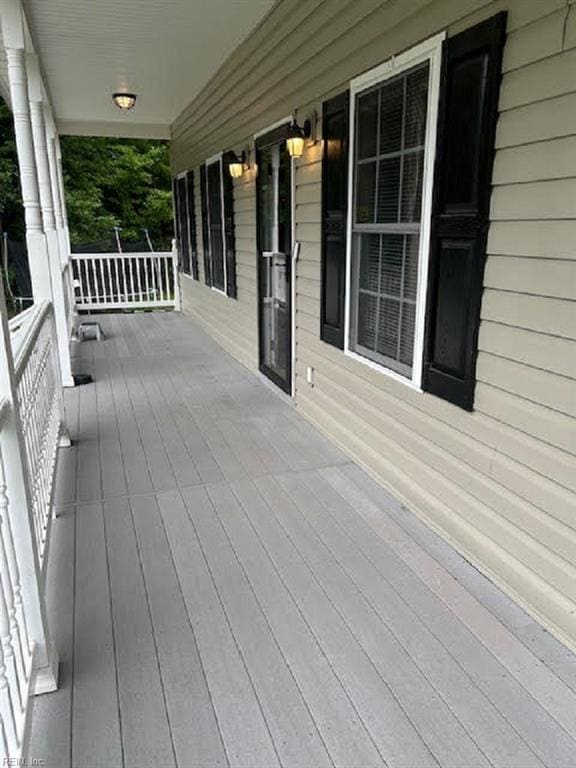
<point x="388" y="328"/>
<point x="365" y="193"/>
<point x="391" y="117"/>
<point x="416" y="107"/>
<point x="411" y="267"/>
<point x="407" y="333"/>
<point x="266" y="198"/>
<point x="367" y="125"/>
<point x="366" y="332"/>
<point x="388" y="189"/>
<point x="369" y="262"/>
<point x="217" y="258"/>
<point x="412" y="176"/>
<point x="391" y="271"/>
<point x="389" y="197"/>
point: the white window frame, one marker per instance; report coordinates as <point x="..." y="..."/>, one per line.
<point x="211" y="161"/>
<point x="428" y="51"/>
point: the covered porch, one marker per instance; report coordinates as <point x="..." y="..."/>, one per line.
<point x="190" y="572"/>
<point x="225" y="588"/>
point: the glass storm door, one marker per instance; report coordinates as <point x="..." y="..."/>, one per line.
<point x="274" y="263"/>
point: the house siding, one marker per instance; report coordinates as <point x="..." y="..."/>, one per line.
<point x="499" y="483"/>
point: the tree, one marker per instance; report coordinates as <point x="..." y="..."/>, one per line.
<point x="11" y="209"/>
<point x="117" y="182"/>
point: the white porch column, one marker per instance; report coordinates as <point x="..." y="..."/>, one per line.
<point x="20" y="506"/>
<point x="51" y="138"/>
<point x="35" y="238"/>
<point x="60" y="175"/>
<point x="49" y="220"/>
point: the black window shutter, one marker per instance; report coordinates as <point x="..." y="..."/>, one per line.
<point x="335" y="129"/>
<point x="229" y="242"/>
<point x="468" y="110"/>
<point x="176" y="209"/>
<point x="205" y="240"/>
<point x="182" y="218"/>
<point x="191" y="213"/>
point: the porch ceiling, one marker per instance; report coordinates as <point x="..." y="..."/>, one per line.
<point x="163" y="51"/>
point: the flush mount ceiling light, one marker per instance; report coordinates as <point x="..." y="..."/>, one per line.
<point x="297" y="135"/>
<point x="124" y="101"/>
<point x="236" y="164"/>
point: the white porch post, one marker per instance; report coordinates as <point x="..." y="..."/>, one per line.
<point x="15" y="477"/>
<point x="49" y="220"/>
<point x="60" y="177"/>
<point x="51" y="138"/>
<point x="35" y="238"/>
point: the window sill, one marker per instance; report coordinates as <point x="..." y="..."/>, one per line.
<point x="218" y="290"/>
<point x="385" y="371"/>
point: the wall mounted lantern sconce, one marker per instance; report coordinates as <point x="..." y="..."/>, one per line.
<point x="298" y="135"/>
<point x="124" y="101"/>
<point x="236" y="163"/>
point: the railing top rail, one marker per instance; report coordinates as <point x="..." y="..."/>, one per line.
<point x="24" y="333"/>
<point x="124" y="255"/>
<point x="16" y="322"/>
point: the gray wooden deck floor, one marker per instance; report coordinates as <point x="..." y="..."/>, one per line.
<point x="227" y="589"/>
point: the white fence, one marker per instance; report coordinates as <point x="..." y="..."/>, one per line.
<point x="30" y="430"/>
<point x="125" y="280"/>
<point x="16" y="651"/>
<point x="39" y="397"/>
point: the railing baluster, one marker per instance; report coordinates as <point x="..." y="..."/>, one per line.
<point x="87" y="290"/>
<point x="109" y="294"/>
<point x="167" y="279"/>
<point x="138" y="265"/>
<point x="117" y="291"/>
<point x="146" y="263"/>
<point x="102" y="285"/>
<point x="93" y="266"/>
<point x="131" y="272"/>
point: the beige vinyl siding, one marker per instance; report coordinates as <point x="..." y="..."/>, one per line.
<point x="499" y="483"/>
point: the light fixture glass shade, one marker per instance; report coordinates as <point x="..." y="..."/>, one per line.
<point x="124" y="101"/>
<point x="236" y="170"/>
<point x="295" y="146"/>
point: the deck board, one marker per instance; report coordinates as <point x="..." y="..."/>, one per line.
<point x="228" y="590"/>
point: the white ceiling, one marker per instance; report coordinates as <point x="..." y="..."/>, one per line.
<point x="163" y="50"/>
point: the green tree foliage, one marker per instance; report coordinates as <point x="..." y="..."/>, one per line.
<point x="117" y="182"/>
<point x="11" y="210"/>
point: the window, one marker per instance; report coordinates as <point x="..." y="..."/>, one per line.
<point x="186" y="224"/>
<point x="394" y="123"/>
<point x="215" y="223"/>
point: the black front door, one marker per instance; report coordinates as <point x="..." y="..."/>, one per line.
<point x="274" y="207"/>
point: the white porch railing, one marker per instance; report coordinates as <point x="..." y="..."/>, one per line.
<point x="125" y="280"/>
<point x="31" y="428"/>
<point x="36" y="374"/>
<point x="16" y="650"/>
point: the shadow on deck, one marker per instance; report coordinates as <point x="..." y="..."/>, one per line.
<point x="227" y="589"/>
